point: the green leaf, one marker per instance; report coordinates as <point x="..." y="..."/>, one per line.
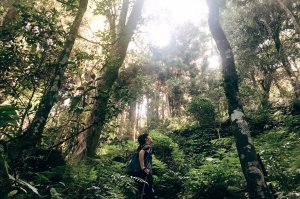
<point x="12" y="193"/>
<point x="81" y="88"/>
<point x="8" y="115"/>
<point x="75" y="101"/>
<point x="22" y="182"/>
<point x="55" y="194"/>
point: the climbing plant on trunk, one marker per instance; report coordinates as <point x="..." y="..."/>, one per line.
<point x="121" y="35"/>
<point x="51" y="93"/>
<point x="255" y="179"/>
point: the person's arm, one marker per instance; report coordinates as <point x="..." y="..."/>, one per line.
<point x="142" y="162"/>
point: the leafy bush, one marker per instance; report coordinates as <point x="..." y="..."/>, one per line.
<point x="292" y="122"/>
<point x="93" y="178"/>
<point x="259" y="121"/>
<point x="203" y="110"/>
<point x="195" y="141"/>
<point x="167" y="183"/>
<point x="218" y="177"/>
<point x="167" y="151"/>
<point x="296" y="106"/>
<point x="279" y="150"/>
<point x="8" y="116"/>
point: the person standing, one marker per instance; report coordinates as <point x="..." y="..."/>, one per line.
<point x="145" y="159"/>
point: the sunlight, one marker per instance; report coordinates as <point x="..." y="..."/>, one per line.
<point x="214" y="62"/>
<point x="169" y="14"/>
<point x="159" y="34"/>
<point x="187" y="10"/>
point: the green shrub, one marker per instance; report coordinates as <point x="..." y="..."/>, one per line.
<point x="296" y="106"/>
<point x="167" y="151"/>
<point x="167" y="183"/>
<point x="218" y="177"/>
<point x="279" y="150"/>
<point x="203" y="110"/>
<point x="259" y="121"/>
<point x="195" y="141"/>
<point x="292" y="122"/>
<point x="8" y="115"/>
<point x="93" y="178"/>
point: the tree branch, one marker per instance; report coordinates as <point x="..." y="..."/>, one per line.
<point x="72" y="136"/>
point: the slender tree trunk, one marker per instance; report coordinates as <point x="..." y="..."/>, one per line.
<point x="283" y="57"/>
<point x="163" y="107"/>
<point x="290" y="15"/>
<point x="132" y="119"/>
<point x="152" y="110"/>
<point x="256" y="184"/>
<point x="286" y="64"/>
<point x="138" y="118"/>
<point x="252" y="76"/>
<point x="149" y="110"/>
<point x="50" y="96"/>
<point x="88" y="141"/>
<point x="266" y="85"/>
<point x="10" y="13"/>
<point x="156" y="106"/>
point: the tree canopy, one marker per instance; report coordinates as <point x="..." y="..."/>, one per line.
<point x="215" y="83"/>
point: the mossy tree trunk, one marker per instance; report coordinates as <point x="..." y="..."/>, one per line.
<point x="50" y="96"/>
<point x="132" y="119"/>
<point x="290" y="15"/>
<point x="281" y="54"/>
<point x="123" y="32"/>
<point x="255" y="179"/>
<point x="266" y="83"/>
<point x="286" y="64"/>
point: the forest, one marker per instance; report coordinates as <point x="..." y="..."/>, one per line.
<point x="215" y="83"/>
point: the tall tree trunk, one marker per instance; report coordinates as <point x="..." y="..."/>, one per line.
<point x="252" y="77"/>
<point x="152" y="110"/>
<point x="50" y="96"/>
<point x="266" y="85"/>
<point x="290" y="15"/>
<point x="286" y="64"/>
<point x="275" y="35"/>
<point x="163" y="106"/>
<point x="138" y="118"/>
<point x="149" y="110"/>
<point x="10" y="13"/>
<point x="88" y="140"/>
<point x="132" y="119"/>
<point x="256" y="184"/>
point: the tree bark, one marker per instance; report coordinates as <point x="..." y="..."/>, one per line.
<point x="290" y="15"/>
<point x="132" y="119"/>
<point x="138" y="118"/>
<point x="10" y="13"/>
<point x="286" y="64"/>
<point x="88" y="141"/>
<point x="275" y="35"/>
<point x="50" y="96"/>
<point x="266" y="85"/>
<point x="256" y="184"/>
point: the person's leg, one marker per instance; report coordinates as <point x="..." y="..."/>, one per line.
<point x="142" y="186"/>
<point x="149" y="192"/>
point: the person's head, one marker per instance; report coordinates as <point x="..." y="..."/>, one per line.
<point x="145" y="139"/>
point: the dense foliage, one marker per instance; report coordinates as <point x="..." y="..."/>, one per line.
<point x="80" y="83"/>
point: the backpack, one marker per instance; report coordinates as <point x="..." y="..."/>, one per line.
<point x="133" y="166"/>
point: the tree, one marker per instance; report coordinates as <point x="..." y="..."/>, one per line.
<point x="121" y="35"/>
<point x="256" y="184"/>
<point x="51" y="94"/>
<point x="289" y="14"/>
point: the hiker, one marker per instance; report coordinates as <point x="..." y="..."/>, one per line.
<point x="145" y="158"/>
